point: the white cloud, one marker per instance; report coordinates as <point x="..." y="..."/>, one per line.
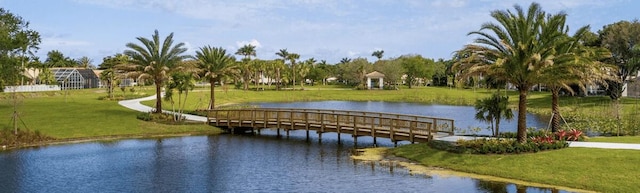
<point x="253" y="42"/>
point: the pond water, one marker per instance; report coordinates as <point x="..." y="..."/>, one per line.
<point x="463" y="115"/>
<point x="221" y="163"/>
<point x="240" y="163"/>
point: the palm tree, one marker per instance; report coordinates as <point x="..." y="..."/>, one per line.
<point x="345" y="60"/>
<point x="85" y="62"/>
<point x="575" y="65"/>
<point x="155" y="59"/>
<point x="516" y="50"/>
<point x="378" y="54"/>
<point x="284" y="54"/>
<point x="214" y="64"/>
<point x="292" y="57"/>
<point x="247" y="51"/>
<point x="492" y="110"/>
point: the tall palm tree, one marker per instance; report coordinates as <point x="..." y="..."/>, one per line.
<point x="215" y="64"/>
<point x="517" y="49"/>
<point x="575" y="64"/>
<point x="156" y="59"/>
<point x="292" y="60"/>
<point x="284" y="54"/>
<point x="247" y="51"/>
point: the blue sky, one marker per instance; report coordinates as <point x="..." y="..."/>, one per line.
<point x="323" y="29"/>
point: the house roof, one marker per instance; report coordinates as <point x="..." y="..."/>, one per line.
<point x="375" y="74"/>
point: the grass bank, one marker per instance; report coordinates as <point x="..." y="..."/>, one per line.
<point x="601" y="170"/>
<point x="79" y="114"/>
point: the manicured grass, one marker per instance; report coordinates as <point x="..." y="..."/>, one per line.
<point x="81" y="115"/>
<point x="621" y="139"/>
<point x="602" y="170"/>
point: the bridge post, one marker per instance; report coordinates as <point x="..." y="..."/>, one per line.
<point x="338" y="128"/>
<point x="306" y="120"/>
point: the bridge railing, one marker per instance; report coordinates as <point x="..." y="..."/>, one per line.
<point x="292" y="117"/>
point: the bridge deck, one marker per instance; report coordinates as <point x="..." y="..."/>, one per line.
<point x="397" y="127"/>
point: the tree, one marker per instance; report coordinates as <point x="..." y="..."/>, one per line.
<point x="515" y="49"/>
<point x="183" y="82"/>
<point x="292" y="57"/>
<point x="354" y="72"/>
<point x="156" y="59"/>
<point x="623" y="40"/>
<point x="85" y="62"/>
<point x="574" y="64"/>
<point x="214" y="64"/>
<point x="378" y="54"/>
<point x="247" y="51"/>
<point x="345" y="60"/>
<point x="16" y="40"/>
<point x="492" y="110"/>
<point x="284" y="54"/>
<point x="56" y="58"/>
<point x="391" y="69"/>
<point x="416" y="67"/>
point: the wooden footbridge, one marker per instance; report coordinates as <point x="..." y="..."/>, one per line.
<point x="397" y="127"/>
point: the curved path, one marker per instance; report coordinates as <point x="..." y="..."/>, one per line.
<point x="136" y="105"/>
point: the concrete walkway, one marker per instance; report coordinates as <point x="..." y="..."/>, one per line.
<point x="136" y="105"/>
<point x="571" y="144"/>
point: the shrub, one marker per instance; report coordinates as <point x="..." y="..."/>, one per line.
<point x="501" y="146"/>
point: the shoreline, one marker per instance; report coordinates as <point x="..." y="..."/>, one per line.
<point x="382" y="155"/>
<point x="69" y="141"/>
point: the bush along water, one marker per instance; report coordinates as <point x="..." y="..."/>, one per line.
<point x="537" y="141"/>
<point x="24" y="137"/>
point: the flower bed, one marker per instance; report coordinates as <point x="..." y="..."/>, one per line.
<point x="537" y="141"/>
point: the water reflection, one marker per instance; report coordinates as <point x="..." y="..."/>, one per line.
<point x="223" y="163"/>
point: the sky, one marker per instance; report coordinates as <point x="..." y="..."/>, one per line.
<point x="323" y="29"/>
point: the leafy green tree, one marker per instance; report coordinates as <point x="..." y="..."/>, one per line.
<point x="155" y="59"/>
<point x="623" y="40"/>
<point x="516" y="49"/>
<point x="215" y="64"/>
<point x="378" y="54"/>
<point x="416" y="67"/>
<point x="16" y="41"/>
<point x="392" y="70"/>
<point x="492" y="110"/>
<point x="354" y="72"/>
<point x="247" y="51"/>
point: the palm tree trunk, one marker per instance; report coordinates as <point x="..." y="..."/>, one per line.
<point x="212" y="98"/>
<point x="277" y="78"/>
<point x="158" y="96"/>
<point x="555" y="119"/>
<point x="293" y="86"/>
<point x="522" y="113"/>
<point x="497" y="131"/>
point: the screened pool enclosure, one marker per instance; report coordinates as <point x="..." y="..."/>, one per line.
<point x="75" y="78"/>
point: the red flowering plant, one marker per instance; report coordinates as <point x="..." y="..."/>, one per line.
<point x="574" y="135"/>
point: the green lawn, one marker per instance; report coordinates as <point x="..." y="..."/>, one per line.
<point x="80" y="114"/>
<point x="602" y="170"/>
